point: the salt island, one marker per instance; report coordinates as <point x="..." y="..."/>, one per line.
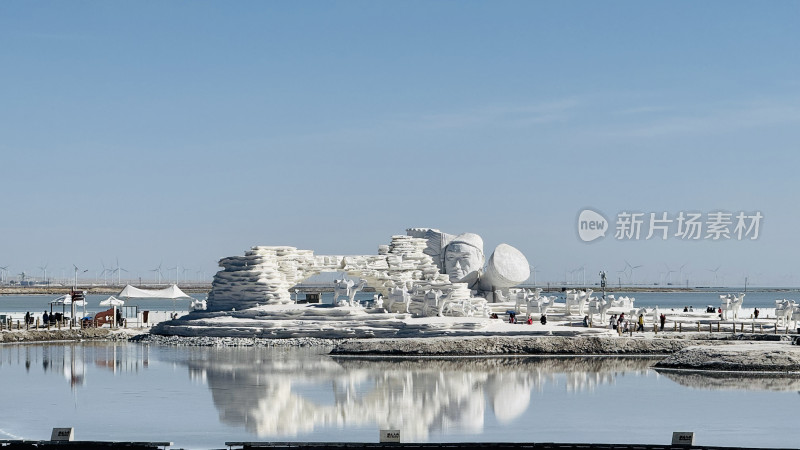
<point x="437" y="294"/>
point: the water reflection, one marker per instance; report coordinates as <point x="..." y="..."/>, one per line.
<point x="71" y="360"/>
<point x="283" y="394"/>
<point x="735" y="381"/>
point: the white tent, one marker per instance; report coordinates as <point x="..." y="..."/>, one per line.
<point x="112" y="301"/>
<point x="172" y="292"/>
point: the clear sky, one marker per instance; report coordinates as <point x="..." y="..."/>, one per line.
<point x="183" y="132"/>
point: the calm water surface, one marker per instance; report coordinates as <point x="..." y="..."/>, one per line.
<point x="203" y="397"/>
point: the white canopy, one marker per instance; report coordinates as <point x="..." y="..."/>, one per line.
<point x="172" y="292"/>
<point x="112" y="301"/>
<point x="65" y="299"/>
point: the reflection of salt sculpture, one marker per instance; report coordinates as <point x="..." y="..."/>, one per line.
<point x="784" y="310"/>
<point x="294" y="393"/>
<point x="599" y="306"/>
<point x="461" y="257"/>
<point x="577" y="299"/>
<point x="731" y="305"/>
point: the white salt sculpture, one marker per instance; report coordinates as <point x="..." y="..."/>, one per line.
<point x="351" y="295"/>
<point x="731" y="305"/>
<point x="784" y="310"/>
<point x="342" y="288"/>
<point x="625" y="303"/>
<point x="198" y="305"/>
<point x="402" y="272"/>
<point x="461" y="257"/>
<point x="577" y="299"/>
<point x="599" y="306"/>
<point x="400" y="297"/>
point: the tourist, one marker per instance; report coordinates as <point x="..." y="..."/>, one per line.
<point x="641" y="323"/>
<point x="119" y="318"/>
<point x="543" y="319"/>
<point x="663" y="320"/>
<point x="45" y="319"/>
<point x="530" y="319"/>
<point x="685" y="309"/>
<point x="512" y="318"/>
<point x="621" y="319"/>
<point x="27" y="318"/>
<point x="586" y="321"/>
<point x="613" y="322"/>
<point x="493" y="316"/>
<point x="755" y="313"/>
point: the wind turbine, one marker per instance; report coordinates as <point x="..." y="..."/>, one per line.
<point x="583" y="270"/>
<point x="176" y="268"/>
<point x="667" y="277"/>
<point x="680" y="273"/>
<point x="119" y="271"/>
<point x="715" y="274"/>
<point x="3" y="274"/>
<point x="632" y="268"/>
<point x="184" y="272"/>
<point x="76" y="274"/>
<point x="44" y="271"/>
<point x="157" y="271"/>
<point x="533" y="273"/>
<point x="105" y="272"/>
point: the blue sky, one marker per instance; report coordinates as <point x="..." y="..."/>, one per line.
<point x="183" y="132"/>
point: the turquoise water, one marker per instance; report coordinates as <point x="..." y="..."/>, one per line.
<point x="203" y="397"/>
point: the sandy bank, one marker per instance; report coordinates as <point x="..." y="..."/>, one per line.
<point x="544" y="345"/>
<point x="66" y="335"/>
<point x="745" y="356"/>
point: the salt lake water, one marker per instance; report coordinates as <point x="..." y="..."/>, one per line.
<point x="201" y="397"/>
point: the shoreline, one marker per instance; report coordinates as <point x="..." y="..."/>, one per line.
<point x="731" y="354"/>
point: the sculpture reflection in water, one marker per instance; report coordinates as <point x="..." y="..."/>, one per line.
<point x="280" y="394"/>
<point x="735" y="381"/>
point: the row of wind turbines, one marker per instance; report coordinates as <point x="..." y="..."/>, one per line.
<point x="104" y="276"/>
<point x="578" y="275"/>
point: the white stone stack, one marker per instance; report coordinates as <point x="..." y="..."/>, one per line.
<point x="262" y="276"/>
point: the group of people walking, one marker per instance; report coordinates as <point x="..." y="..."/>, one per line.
<point x="623" y="325"/>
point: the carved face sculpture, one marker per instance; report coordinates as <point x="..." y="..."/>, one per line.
<point x="463" y="262"/>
